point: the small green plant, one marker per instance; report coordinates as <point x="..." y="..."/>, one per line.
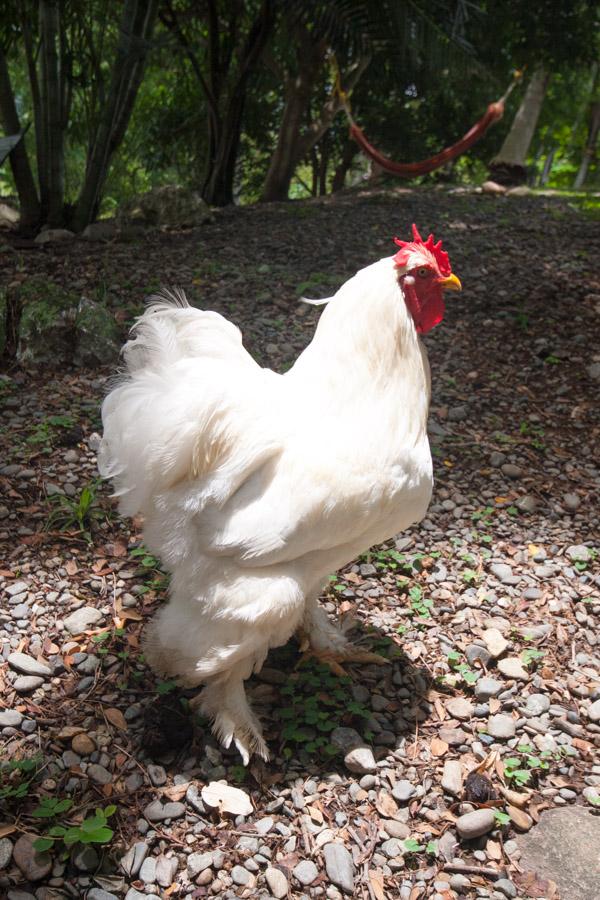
<point x="238" y="774"/>
<point x="17" y="776"/>
<point x="150" y="569"/>
<point x="531" y="655"/>
<point x="501" y="818"/>
<point x="51" y="807"/>
<point x="317" y="702"/>
<point x="165" y="687"/>
<point x="420" y="605"/>
<point x="93" y="830"/>
<point x="410" y="845"/>
<point x="519" y="769"/>
<point x="470" y="576"/>
<point x="77" y="512"/>
<point x="461" y="667"/>
<point x="45" y="432"/>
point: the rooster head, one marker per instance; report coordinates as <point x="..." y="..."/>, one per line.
<point x="424" y="273"/>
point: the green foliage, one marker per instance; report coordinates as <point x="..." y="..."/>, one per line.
<point x="461" y="667"/>
<point x="155" y="578"/>
<point x="501" y="818"/>
<point x="51" y="807"/>
<point x="317" y="702"/>
<point x="17" y="776"/>
<point x="76" y="512"/>
<point x="93" y="830"/>
<point x="531" y="655"/>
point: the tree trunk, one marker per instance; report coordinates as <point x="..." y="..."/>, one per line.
<point x="592" y="135"/>
<point x="225" y="130"/>
<point x="53" y="158"/>
<point x="292" y="144"/>
<point x="510" y="165"/>
<point x="339" y="176"/>
<point x="19" y="160"/>
<point x="136" y="28"/>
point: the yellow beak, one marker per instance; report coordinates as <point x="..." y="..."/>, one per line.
<point x="451" y="283"/>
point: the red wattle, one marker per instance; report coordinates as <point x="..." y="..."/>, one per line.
<point x="427" y="311"/>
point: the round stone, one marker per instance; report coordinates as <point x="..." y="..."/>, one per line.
<point x="277" y="883"/>
<point x="459" y="708"/>
<point x="305" y="872"/>
<point x="501" y="726"/>
<point x="474" y="824"/>
<point x="83" y="744"/>
<point x="537" y="704"/>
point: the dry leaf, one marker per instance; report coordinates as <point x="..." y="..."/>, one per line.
<point x="386" y="805"/>
<point x="116" y="718"/>
<point x="315" y="814"/>
<point x="519" y="818"/>
<point x="7" y="829"/>
<point x="494" y="705"/>
<point x="493" y="850"/>
<point x="176" y="791"/>
<point x="71" y="567"/>
<point x="227" y="799"/>
<point x="515" y="798"/>
<point x="377" y="884"/>
<point x="438" y="747"/>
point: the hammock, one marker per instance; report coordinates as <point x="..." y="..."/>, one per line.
<point x="493" y="114"/>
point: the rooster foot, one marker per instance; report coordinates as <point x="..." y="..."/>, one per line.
<point x="347" y="654"/>
<point x="233" y="722"/>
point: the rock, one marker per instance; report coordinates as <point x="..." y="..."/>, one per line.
<point x="572" y="501"/>
<point x="99" y="774"/>
<point x="459" y="708"/>
<point x="103" y="230"/>
<point x="97" y="335"/>
<point x="527" y="504"/>
<point x="6" y="849"/>
<point x="9" y="217"/>
<point x="83" y="744"/>
<point x="32" y="864"/>
<point x="403" y="790"/>
<point x="171" y="206"/>
<point x="476" y="653"/>
<point x="134" y="894"/>
<point x="240" y="875"/>
<point x="198" y="862"/>
<point x="360" y="760"/>
<point x="227" y="799"/>
<point x="512" y="668"/>
<point x="54" y="236"/>
<point x="492" y="187"/>
<point x="20" y="662"/>
<point x="339" y="866"/>
<point x="148" y="870"/>
<point x="506" y="887"/>
<point x="392" y="848"/>
<point x="131" y="863"/>
<point x="511" y="471"/>
<point x="487" y="687"/>
<point x="158" y="812"/>
<point x="474" y="824"/>
<point x="501" y="571"/>
<point x="10" y="718"/>
<point x="563" y="846"/>
<point x="25" y="684"/>
<point x="593" y="371"/>
<point x="501" y="726"/>
<point x="594" y="711"/>
<point x="578" y="553"/>
<point x="165" y="870"/>
<point x="537" y="704"/>
<point x="460" y="883"/>
<point x="305" y="872"/>
<point x="396" y="829"/>
<point x="452" y="780"/>
<point x="99" y="894"/>
<point x="82" y="619"/>
<point x="157" y="775"/>
<point x="346" y="739"/>
<point x="520" y="190"/>
<point x="85" y="858"/>
<point x="495" y="642"/>
<point x="277" y="883"/>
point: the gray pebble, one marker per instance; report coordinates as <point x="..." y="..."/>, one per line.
<point x="403" y="790"/>
<point x="25" y="684"/>
<point x="158" y="812"/>
<point x="6" y="849"/>
<point x="501" y="726"/>
<point x="131" y="863"/>
<point x="506" y="887"/>
<point x="148" y="870"/>
<point x="277" y="883"/>
<point x="10" y="718"/>
<point x="474" y="824"/>
<point x="157" y="775"/>
<point x="487" y="687"/>
<point x="305" y="872"/>
<point x="20" y="662"/>
<point x="198" y="862"/>
<point x="339" y="866"/>
<point x="240" y="875"/>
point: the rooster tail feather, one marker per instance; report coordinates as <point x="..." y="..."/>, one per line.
<point x="312" y="302"/>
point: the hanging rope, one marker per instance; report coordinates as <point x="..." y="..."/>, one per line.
<point x="493" y="113"/>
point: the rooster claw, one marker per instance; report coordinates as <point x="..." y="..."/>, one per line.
<point x="350" y="654"/>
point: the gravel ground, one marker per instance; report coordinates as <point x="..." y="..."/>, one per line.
<point x="414" y="779"/>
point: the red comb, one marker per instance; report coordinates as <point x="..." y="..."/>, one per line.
<point x="441" y="257"/>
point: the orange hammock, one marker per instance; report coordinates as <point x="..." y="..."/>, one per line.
<point x="493" y="113"/>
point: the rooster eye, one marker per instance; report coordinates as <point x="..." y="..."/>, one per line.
<point x="423" y="272"/>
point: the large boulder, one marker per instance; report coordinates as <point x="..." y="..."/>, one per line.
<point x="58" y="328"/>
<point x="9" y="217"/>
<point x="169" y="206"/>
<point x="97" y="335"/>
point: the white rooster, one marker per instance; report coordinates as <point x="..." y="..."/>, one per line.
<point x="255" y="486"/>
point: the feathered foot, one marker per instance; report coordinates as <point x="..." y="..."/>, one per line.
<point x="321" y="639"/>
<point x="224" y="701"/>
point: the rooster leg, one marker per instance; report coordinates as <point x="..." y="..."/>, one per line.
<point x="322" y="640"/>
<point x="224" y="701"/>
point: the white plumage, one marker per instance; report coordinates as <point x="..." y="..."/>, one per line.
<point x="256" y="486"/>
